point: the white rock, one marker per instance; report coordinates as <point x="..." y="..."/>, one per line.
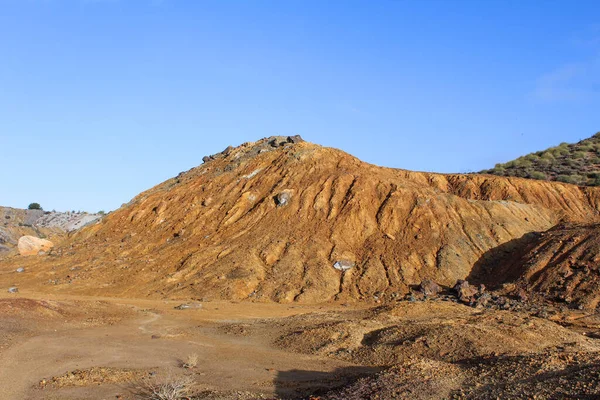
<point x="343" y="265"/>
<point x="31" y="245"/>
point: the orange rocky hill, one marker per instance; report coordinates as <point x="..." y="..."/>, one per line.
<point x="285" y="220"/>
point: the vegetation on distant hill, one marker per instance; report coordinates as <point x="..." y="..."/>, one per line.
<point x="34" y="206"/>
<point x="577" y="163"/>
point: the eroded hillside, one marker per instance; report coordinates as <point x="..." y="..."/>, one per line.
<point x="269" y="220"/>
<point x="562" y="264"/>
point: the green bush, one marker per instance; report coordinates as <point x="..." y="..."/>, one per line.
<point x="34" y="206"/>
<point x="559" y="151"/>
<point x="531" y="157"/>
<point x="523" y="163"/>
<point x="537" y="175"/>
<point x="573" y="179"/>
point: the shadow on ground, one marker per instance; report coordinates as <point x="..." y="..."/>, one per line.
<point x="499" y="265"/>
<point x="298" y="384"/>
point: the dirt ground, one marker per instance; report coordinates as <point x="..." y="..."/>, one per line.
<point x="46" y="337"/>
<point x="75" y="347"/>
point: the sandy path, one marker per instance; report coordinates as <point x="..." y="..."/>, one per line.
<point x="227" y="362"/>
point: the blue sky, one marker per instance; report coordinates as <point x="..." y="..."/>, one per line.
<point x="102" y="99"/>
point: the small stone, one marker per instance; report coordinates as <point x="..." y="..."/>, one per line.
<point x="227" y="151"/>
<point x="483" y="300"/>
<point x="522" y="295"/>
<point x="206" y="159"/>
<point x="343" y="265"/>
<point x="187" y="306"/>
<point x="464" y="291"/>
<point x="429" y="288"/>
<point x="283" y="198"/>
<point x="13" y="290"/>
<point x="20" y="269"/>
<point x="295" y="139"/>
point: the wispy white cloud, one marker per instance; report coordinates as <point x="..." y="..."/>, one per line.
<point x="570" y="83"/>
<point x="588" y="37"/>
<point x="577" y="81"/>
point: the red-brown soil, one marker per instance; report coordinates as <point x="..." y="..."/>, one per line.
<point x="562" y="264"/>
<point x="261" y="225"/>
<point x="217" y="232"/>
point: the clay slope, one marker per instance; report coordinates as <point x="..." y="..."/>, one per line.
<point x="563" y="264"/>
<point x="268" y="220"/>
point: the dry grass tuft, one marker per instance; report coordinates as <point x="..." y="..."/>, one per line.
<point x="179" y="388"/>
<point x="191" y="361"/>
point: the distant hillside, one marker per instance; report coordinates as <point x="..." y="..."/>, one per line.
<point x="577" y="163"/>
<point x="15" y="223"/>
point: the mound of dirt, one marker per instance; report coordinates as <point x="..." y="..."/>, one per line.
<point x="414" y="379"/>
<point x="548" y="375"/>
<point x="438" y="331"/>
<point x="562" y="263"/>
<point x="94" y="376"/>
<point x="285" y="220"/>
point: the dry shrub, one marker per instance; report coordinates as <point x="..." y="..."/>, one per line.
<point x="191" y="361"/>
<point x="173" y="388"/>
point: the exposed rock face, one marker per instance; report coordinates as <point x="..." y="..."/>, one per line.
<point x="399" y="227"/>
<point x="31" y="245"/>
